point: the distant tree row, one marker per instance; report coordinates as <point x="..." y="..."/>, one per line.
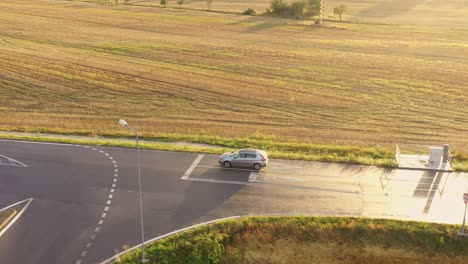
<point x="297" y="9"/>
<point x="300" y="9"/>
<point x="162" y="2"/>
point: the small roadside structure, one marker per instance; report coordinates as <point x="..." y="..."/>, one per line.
<point x="436" y="158"/>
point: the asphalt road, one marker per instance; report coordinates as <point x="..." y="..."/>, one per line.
<point x="86" y="204"/>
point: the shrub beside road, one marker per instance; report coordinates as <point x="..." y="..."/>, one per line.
<point x="310" y="239"/>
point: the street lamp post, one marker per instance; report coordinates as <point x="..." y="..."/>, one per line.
<point x="125" y="124"/>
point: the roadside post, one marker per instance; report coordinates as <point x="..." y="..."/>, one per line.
<point x="462" y="231"/>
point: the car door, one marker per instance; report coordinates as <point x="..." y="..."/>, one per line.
<point x="250" y="160"/>
<point x="239" y="160"/>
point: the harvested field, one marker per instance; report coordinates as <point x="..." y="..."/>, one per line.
<point x="69" y="66"/>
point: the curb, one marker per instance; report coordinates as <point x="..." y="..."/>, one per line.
<point x="8" y="219"/>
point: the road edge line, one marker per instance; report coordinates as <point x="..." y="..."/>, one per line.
<point x="17" y="215"/>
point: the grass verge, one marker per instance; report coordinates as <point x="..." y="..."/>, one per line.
<point x="309" y="240"/>
<point x="373" y="156"/>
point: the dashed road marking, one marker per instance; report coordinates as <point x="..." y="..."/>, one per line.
<point x="106" y="208"/>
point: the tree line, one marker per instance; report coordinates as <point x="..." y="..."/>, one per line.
<point x="297" y="9"/>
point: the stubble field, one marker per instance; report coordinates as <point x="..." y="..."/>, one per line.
<point x="77" y="67"/>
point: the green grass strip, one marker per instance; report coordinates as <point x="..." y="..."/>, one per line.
<point x="372" y="156"/>
<point x="216" y="243"/>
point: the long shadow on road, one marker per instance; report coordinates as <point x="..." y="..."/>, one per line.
<point x="200" y="198"/>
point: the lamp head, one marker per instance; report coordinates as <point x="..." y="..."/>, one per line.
<point x="123" y="123"/>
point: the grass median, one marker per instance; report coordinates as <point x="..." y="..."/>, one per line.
<point x="310" y="240"/>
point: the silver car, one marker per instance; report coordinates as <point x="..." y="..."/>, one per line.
<point x="251" y="158"/>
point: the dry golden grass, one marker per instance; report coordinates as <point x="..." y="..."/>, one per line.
<point x="80" y="66"/>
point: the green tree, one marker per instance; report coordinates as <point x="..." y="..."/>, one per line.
<point x="180" y="2"/>
<point x="297" y="9"/>
<point x="339" y="10"/>
<point x="163" y="3"/>
<point x="313" y="7"/>
<point x="279" y="7"/>
<point x="209" y="2"/>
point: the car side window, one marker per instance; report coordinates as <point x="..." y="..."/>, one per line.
<point x="251" y="156"/>
<point x="243" y="155"/>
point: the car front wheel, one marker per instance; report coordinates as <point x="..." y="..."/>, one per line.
<point x="227" y="164"/>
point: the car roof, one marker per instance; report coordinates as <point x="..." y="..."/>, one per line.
<point x="249" y="150"/>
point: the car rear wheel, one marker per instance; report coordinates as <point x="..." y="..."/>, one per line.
<point x="227" y="164"/>
<point x="257" y="166"/>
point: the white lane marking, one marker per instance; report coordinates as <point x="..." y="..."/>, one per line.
<point x="252" y="176"/>
<point x="100" y="222"/>
<point x="113" y="161"/>
<point x="115" y="180"/>
<point x="116" y="175"/>
<point x="115" y="165"/>
<point x="104" y="215"/>
<point x="112" y="190"/>
<point x="93" y="148"/>
<point x="217" y="181"/>
<point x="107" y="154"/>
<point x="109" y="202"/>
<point x="116" y="170"/>
<point x="194" y="164"/>
<point x="84" y="253"/>
<point x="113" y="185"/>
<point x="17" y="215"/>
<point x="15" y="161"/>
<point x="89" y="245"/>
<point x="93" y="237"/>
<point x="35" y="142"/>
<point x="274" y="185"/>
<point x="79" y="261"/>
<point x="97" y="229"/>
<point x="110" y="196"/>
<point x="101" y="151"/>
<point x="222" y="168"/>
<point x="106" y="208"/>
